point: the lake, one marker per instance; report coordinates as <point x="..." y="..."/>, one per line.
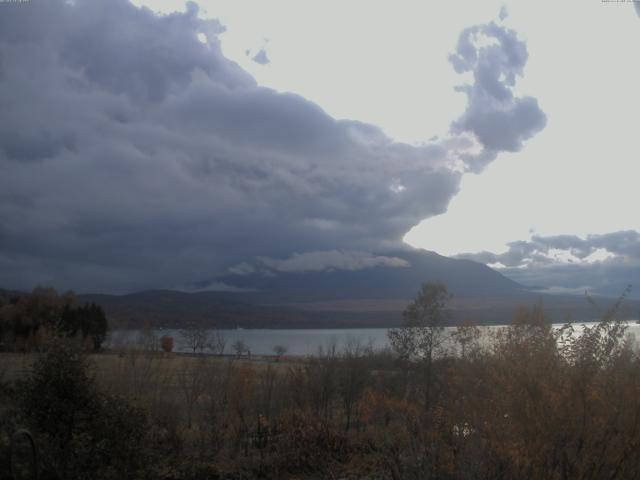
<point x="297" y="341"/>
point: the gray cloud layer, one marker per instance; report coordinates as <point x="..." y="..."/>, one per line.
<point x="539" y="250"/>
<point x="134" y="156"/>
<point x="331" y="259"/>
<point x="500" y="120"/>
<point x="261" y="57"/>
<point x="563" y="260"/>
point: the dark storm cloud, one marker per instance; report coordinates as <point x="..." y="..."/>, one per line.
<point x="134" y="155"/>
<point x="33" y="145"/>
<point x="499" y="120"/>
<point x="563" y="260"/>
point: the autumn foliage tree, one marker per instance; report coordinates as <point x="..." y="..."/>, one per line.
<point x="422" y="333"/>
<point x="27" y="320"/>
<point x="166" y="343"/>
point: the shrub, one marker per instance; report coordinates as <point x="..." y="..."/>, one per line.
<point x="82" y="432"/>
<point x="166" y="343"/>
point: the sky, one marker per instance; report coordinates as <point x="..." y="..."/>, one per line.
<point x="234" y="133"/>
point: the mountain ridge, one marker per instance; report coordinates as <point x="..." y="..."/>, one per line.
<point x="372" y="297"/>
<point x="462" y="277"/>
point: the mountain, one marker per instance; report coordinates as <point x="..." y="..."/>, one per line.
<point x="172" y="309"/>
<point x="332" y="298"/>
<point x="464" y="278"/>
<point x="372" y="297"/>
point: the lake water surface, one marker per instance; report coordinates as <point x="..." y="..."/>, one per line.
<point x="297" y="341"/>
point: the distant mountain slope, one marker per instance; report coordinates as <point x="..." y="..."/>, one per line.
<point x="170" y="308"/>
<point x="464" y="278"/>
<point x="372" y="297"/>
<point x="281" y="299"/>
<point x="173" y="309"/>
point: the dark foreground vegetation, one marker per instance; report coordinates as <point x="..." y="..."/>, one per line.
<point x="530" y="402"/>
